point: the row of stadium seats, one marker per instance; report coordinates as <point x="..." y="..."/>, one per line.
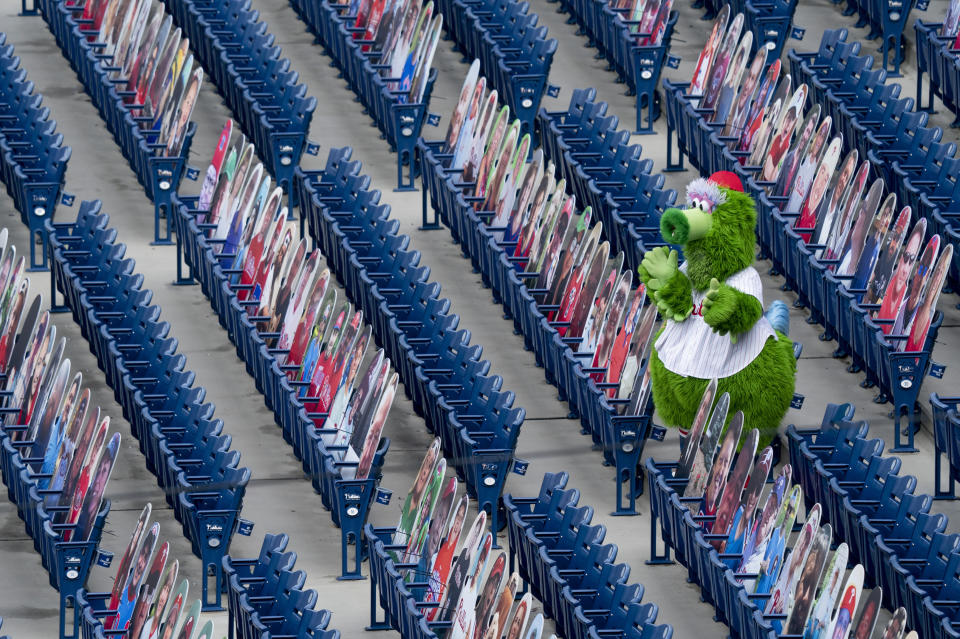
<point x="402" y="603"/>
<point x="258" y="85"/>
<point x="157" y="173"/>
<point x="620" y="437"/>
<point x="682" y="530"/>
<point x="923" y="171"/>
<point x="889" y="529"/>
<point x="33" y="159"/>
<point x="399" y="121"/>
<point x="616" y="38"/>
<point x="515" y="54"/>
<point x="562" y="557"/>
<point x="182" y="441"/>
<point x="348" y="500"/>
<point x="605" y="172"/>
<point x="67" y="562"/>
<point x="266" y="596"/>
<point x="442" y="373"/>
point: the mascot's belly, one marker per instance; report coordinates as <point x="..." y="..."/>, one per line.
<point x="693" y="349"/>
<point x="762" y="390"/>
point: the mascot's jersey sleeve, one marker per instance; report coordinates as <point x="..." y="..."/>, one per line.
<point x="691" y="348"/>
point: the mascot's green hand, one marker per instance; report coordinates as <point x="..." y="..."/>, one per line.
<point x="658" y="265"/>
<point x="665" y="309"/>
<point x="717" y="309"/>
<point x="646" y="279"/>
<point x="712" y="294"/>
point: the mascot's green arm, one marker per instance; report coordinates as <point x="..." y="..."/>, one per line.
<point x="732" y="311"/>
<point x="675" y="295"/>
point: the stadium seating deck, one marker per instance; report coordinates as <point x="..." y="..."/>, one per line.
<point x="654" y="600"/>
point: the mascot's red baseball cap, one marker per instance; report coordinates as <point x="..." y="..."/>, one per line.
<point x="728" y="180"/>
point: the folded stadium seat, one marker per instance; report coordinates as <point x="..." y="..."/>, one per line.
<point x="605" y="606"/>
<point x="896" y="491"/>
<point x="946" y="437"/>
<point x="399" y="120"/>
<point x="583" y="568"/>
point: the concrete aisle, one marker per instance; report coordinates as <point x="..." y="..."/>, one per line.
<point x="279" y="498"/>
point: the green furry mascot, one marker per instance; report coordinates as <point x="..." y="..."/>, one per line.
<point x="714" y="324"/>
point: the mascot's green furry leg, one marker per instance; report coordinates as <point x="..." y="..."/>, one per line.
<point x="763" y="390"/>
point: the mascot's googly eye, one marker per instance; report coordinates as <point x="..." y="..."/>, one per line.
<point x="702" y="192"/>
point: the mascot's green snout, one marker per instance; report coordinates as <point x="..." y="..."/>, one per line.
<point x="712" y="305"/>
<point x="677" y="227"/>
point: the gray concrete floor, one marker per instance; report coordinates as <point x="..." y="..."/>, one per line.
<point x="279" y="498"/>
